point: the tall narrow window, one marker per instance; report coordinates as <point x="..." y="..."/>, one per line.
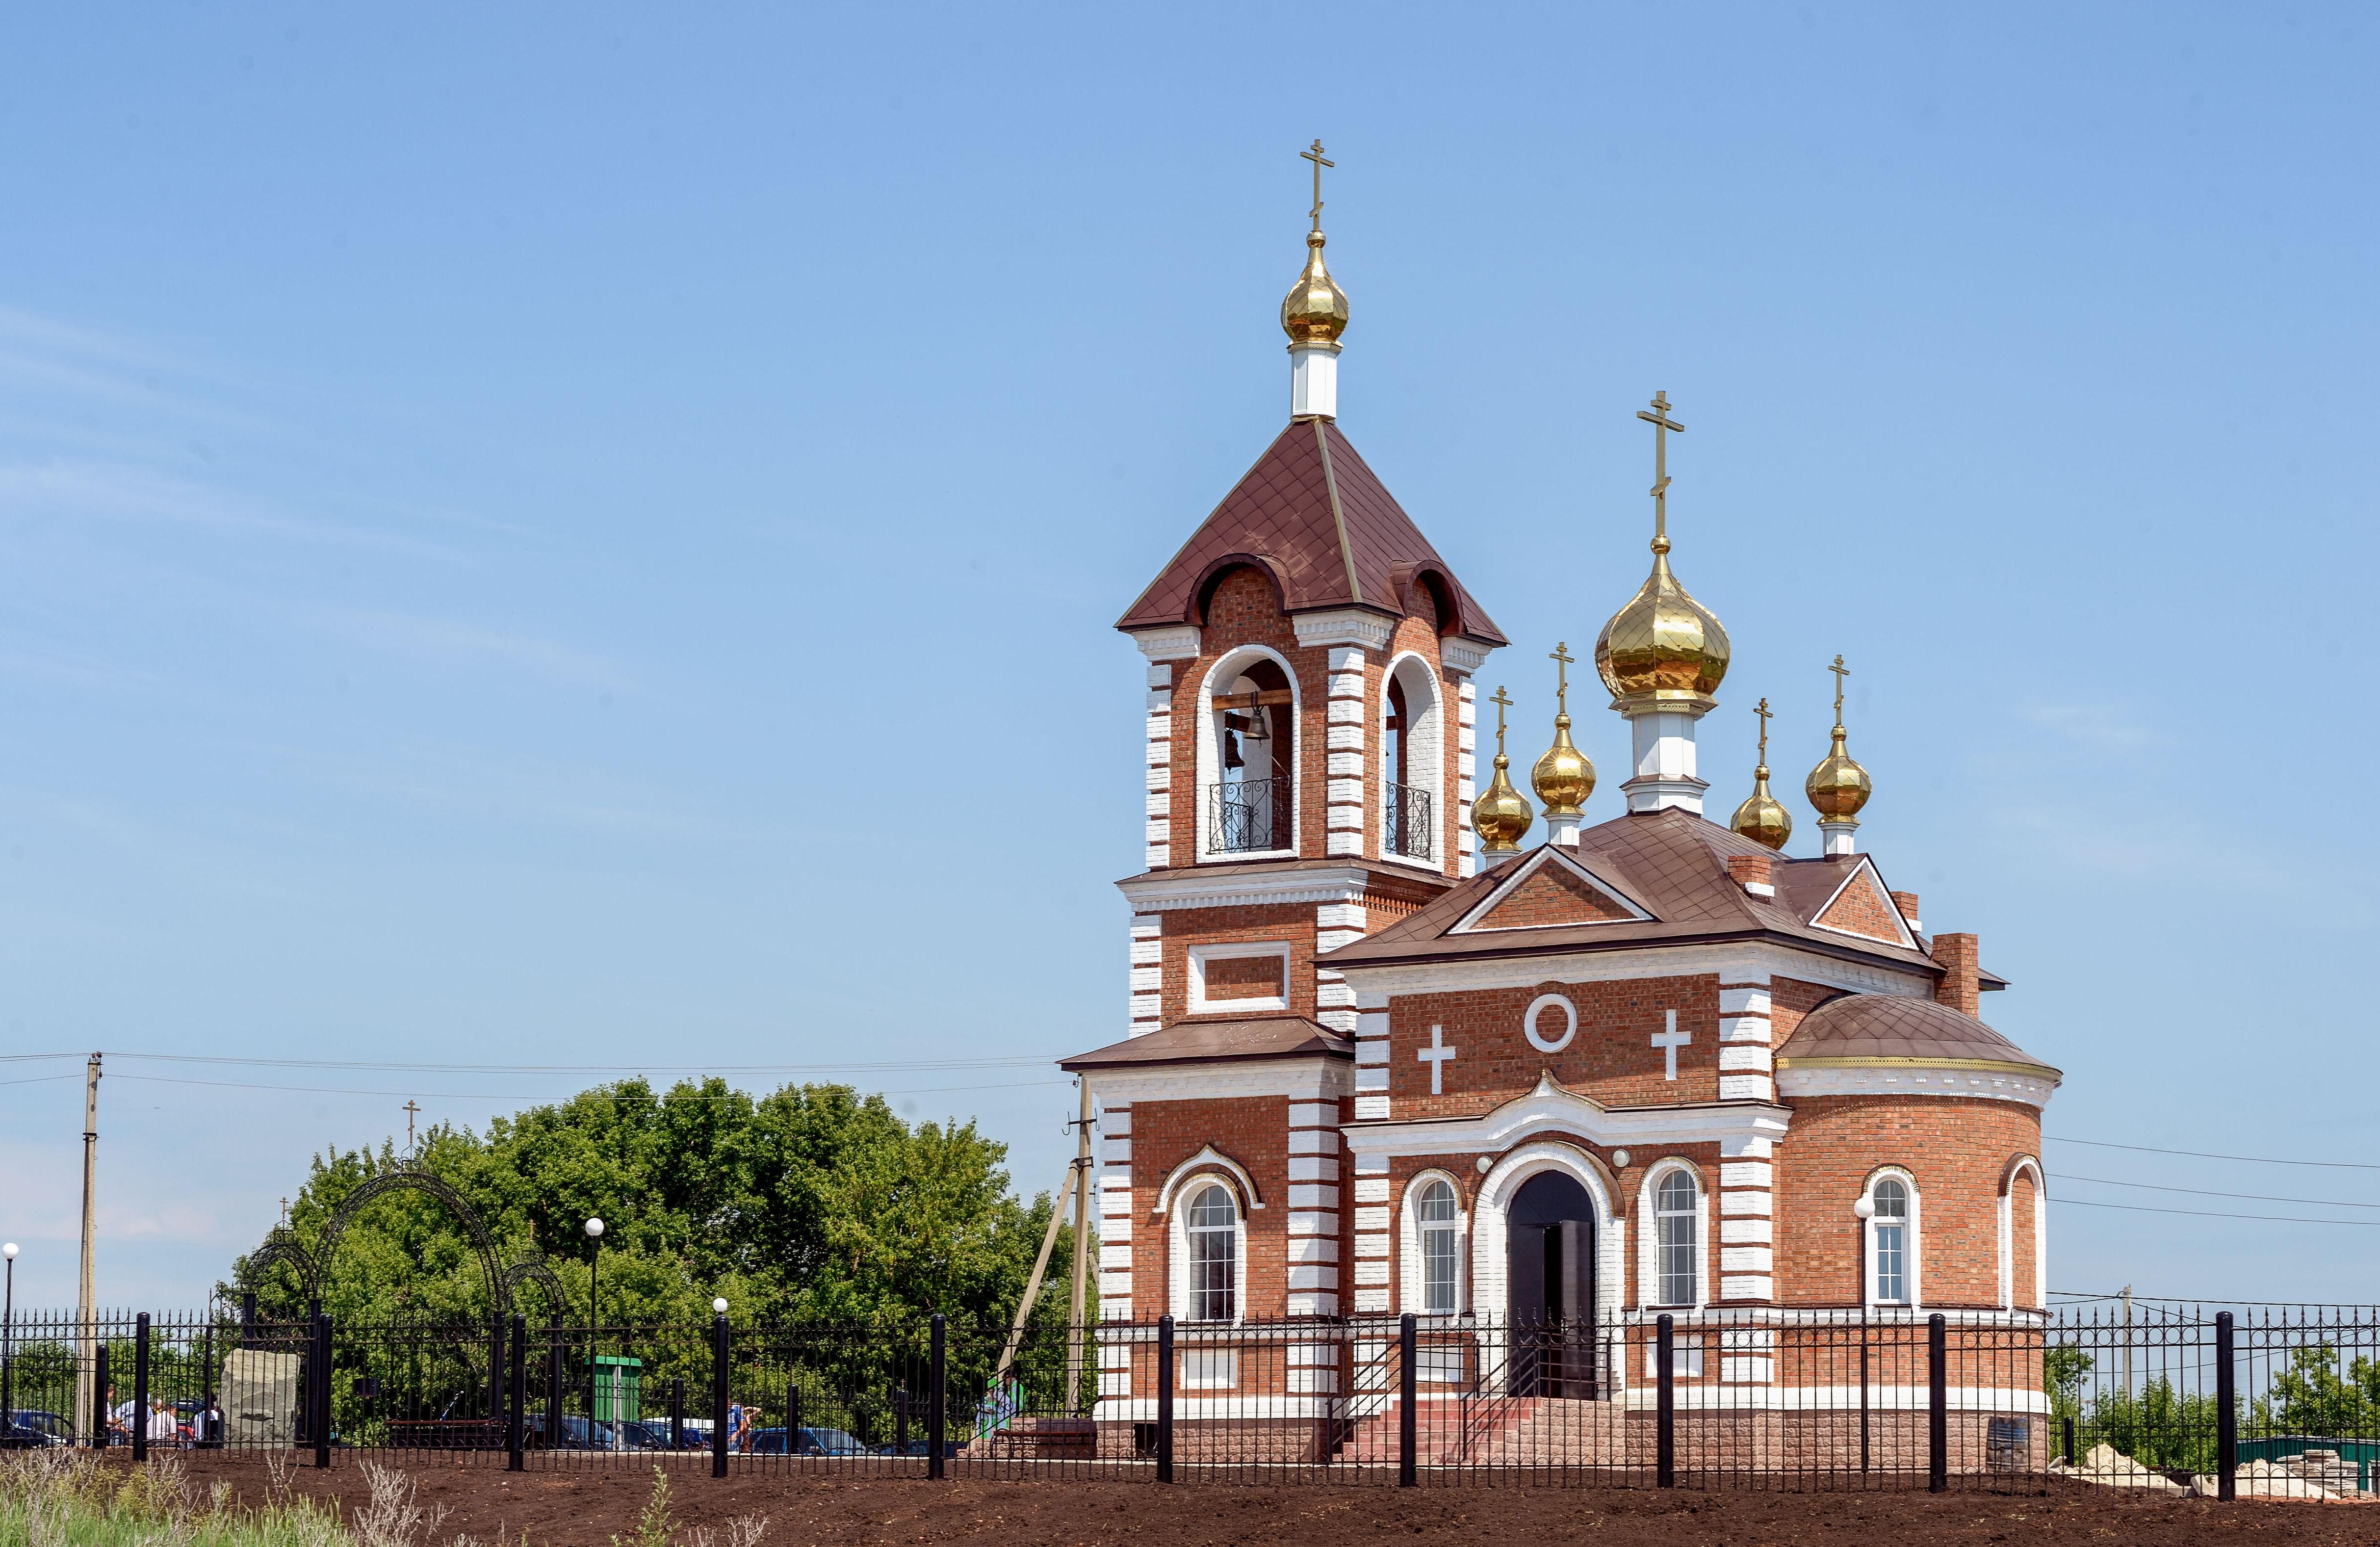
<point x="1254" y="729"/>
<point x="1392" y="748"/>
<point x="1673" y="1214"/>
<point x="1889" y="1237"/>
<point x="1434" y="1210"/>
<point x="1213" y="1228"/>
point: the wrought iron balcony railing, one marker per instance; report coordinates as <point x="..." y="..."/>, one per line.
<point x="1251" y="815"/>
<point x="1406" y="827"/>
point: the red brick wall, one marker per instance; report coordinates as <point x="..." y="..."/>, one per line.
<point x="1864" y="910"/>
<point x="1789" y="1000"/>
<point x="1612" y="1058"/>
<point x="1288" y="924"/>
<point x="1960" y="987"/>
<point x="1957" y="1149"/>
<point x="1552" y="896"/>
<point x="1252" y="1130"/>
<point x="1244" y="978"/>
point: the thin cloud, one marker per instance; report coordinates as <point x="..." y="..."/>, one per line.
<point x="125" y="492"/>
<point x="2102" y="726"/>
<point x="453" y="643"/>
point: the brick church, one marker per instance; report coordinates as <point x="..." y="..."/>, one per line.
<point x="1399" y="1042"/>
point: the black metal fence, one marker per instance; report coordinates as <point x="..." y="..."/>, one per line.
<point x="2138" y="1399"/>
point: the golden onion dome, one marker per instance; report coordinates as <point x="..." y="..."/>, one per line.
<point x="1314" y="311"/>
<point x="1838" y="787"/>
<point x="1663" y="647"/>
<point x="1563" y="778"/>
<point x="1499" y="816"/>
<point x="1760" y="818"/>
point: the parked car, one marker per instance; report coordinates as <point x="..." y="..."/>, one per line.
<point x="573" y="1433"/>
<point x="647" y="1434"/>
<point x="919" y="1448"/>
<point x="811" y="1442"/>
<point x="30" y="1427"/>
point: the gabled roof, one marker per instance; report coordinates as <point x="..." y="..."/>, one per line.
<point x="1315" y="517"/>
<point x="1671" y="863"/>
<point x="1204" y="1041"/>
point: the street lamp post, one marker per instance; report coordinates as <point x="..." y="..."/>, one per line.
<point x="9" y="1346"/>
<point x="594" y="1372"/>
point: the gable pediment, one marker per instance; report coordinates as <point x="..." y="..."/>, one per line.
<point x="1550" y="890"/>
<point x="1861" y="906"/>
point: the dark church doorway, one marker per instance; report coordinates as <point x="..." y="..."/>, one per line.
<point x="1551" y="1246"/>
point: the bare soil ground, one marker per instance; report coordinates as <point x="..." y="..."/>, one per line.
<point x="587" y="1506"/>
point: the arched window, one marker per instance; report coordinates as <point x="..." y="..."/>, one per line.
<point x="1675" y="1212"/>
<point x="1251" y="795"/>
<point x="1891" y="1241"/>
<point x="1411" y="761"/>
<point x="1212" y="1229"/>
<point x="1434" y="1212"/>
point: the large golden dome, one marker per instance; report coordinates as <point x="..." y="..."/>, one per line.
<point x="1314" y="311"/>
<point x="1663" y="647"/>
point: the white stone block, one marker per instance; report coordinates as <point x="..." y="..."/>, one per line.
<point x="1743" y="1001"/>
<point x="1346" y="658"/>
<point x="1746" y="1232"/>
<point x="1747" y="1088"/>
<point x="1373" y="1244"/>
<point x="1159" y="830"/>
<point x="1345" y="765"/>
<point x="1746" y="1174"/>
<point x="1116" y="1176"/>
<point x="1344" y="792"/>
<point x="1114" y="1150"/>
<point x="1116" y="1386"/>
<point x="1371" y="1109"/>
<point x="1161" y="677"/>
<point x="1314" y="1114"/>
<point x="1307" y="1276"/>
<point x="1115" y="1355"/>
<point x="1747" y="1286"/>
<point x="1158" y="856"/>
<point x="1371" y="1050"/>
<point x="1313" y="1195"/>
<point x="1340" y="916"/>
<point x="1116" y="1227"/>
<point x="1341" y="1021"/>
<point x="1147" y="952"/>
<point x="1115" y="1283"/>
<point x="1745" y="1028"/>
<point x="1371" y="1165"/>
<point x="1371" y="1189"/>
<point x="1347" y="684"/>
<point x="1745" y="1203"/>
<point x="1342" y="843"/>
<point x="1344" y="738"/>
<point x="1146" y="980"/>
<point x="1376" y="1020"/>
<point x="1746" y="1260"/>
<point x="1346" y="711"/>
<point x="1748" y="1370"/>
<point x="1371" y="1077"/>
<point x="1371" y="1218"/>
<point x="1161" y="776"/>
<point x="1313" y="1168"/>
<point x="1312" y="1248"/>
<point x="1114" y="1256"/>
<point x="1333" y="995"/>
<point x="1369" y="1271"/>
<point x="1745" y="1056"/>
<point x="1313" y="1304"/>
<point x="1314" y="1225"/>
<point x="1146" y="1007"/>
<point x="1369" y="1301"/>
<point x="1308" y="1382"/>
<point x="1313" y="1141"/>
<point x="1746" y="1147"/>
<point x="1344" y="817"/>
<point x="1160" y="700"/>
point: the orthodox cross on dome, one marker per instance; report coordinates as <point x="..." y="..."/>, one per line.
<point x="1763" y="711"/>
<point x="1840" y="672"/>
<point x="1319" y="161"/>
<point x="1669" y="1042"/>
<point x="1501" y="703"/>
<point x="1563" y="659"/>
<point x="1662" y="424"/>
<point x="1438" y="1053"/>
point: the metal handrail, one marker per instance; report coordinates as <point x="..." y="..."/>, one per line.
<point x="1406" y="826"/>
<point x="1252" y="815"/>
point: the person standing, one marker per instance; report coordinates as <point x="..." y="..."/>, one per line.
<point x="162" y="1428"/>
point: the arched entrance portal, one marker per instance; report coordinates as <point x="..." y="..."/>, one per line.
<point x="1550" y="1246"/>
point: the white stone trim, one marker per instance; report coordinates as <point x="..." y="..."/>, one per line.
<point x="1907" y="1080"/>
<point x="1236" y="950"/>
<point x="1343" y="626"/>
<point x="1177" y="1275"/>
<point x="1189" y="888"/>
<point x="1728" y="963"/>
<point x="1470" y="923"/>
<point x="1489" y="1234"/>
<point x="1409" y="1263"/>
<point x="1316" y="1078"/>
<point x="1914" y="1252"/>
<point x="2023" y="1164"/>
<point x="1867" y="867"/>
<point x="1176" y="643"/>
<point x="1462" y="654"/>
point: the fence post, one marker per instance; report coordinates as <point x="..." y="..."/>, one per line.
<point x="554" y="1386"/>
<point x="793" y="1418"/>
<point x="513" y="1408"/>
<point x="900" y="1420"/>
<point x="2227" y="1411"/>
<point x="1165" y="1397"/>
<point x="322" y="1394"/>
<point x="677" y="1419"/>
<point x="938" y="1398"/>
<point x="1938" y="1394"/>
<point x="99" y="1392"/>
<point x="1408" y="1390"/>
<point x="2068" y="1424"/>
<point x="140" y="1387"/>
<point x="719" y="1395"/>
<point x="1665" y="1408"/>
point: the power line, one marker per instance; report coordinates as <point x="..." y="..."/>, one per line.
<point x="2202" y="1154"/>
<point x="37" y="1079"/>
<point x="587" y="1069"/>
<point x="2205" y="1214"/>
<point x="2206" y="1192"/>
<point x="663" y="1097"/>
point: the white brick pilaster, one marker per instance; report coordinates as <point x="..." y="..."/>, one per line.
<point x="1313" y="1202"/>
<point x="1372" y="1237"/>
<point x="1159" y="837"/>
<point x="1344" y="816"/>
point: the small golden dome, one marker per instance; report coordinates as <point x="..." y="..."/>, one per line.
<point x="1663" y="647"/>
<point x="1760" y="818"/>
<point x="1563" y="778"/>
<point x="1314" y="311"/>
<point x="1499" y="816"/>
<point x="1838" y="787"/>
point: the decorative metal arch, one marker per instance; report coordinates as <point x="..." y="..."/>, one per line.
<point x="558" y="1299"/>
<point x="280" y="1245"/>
<point x="407" y="1177"/>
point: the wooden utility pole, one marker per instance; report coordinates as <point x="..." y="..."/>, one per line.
<point x="87" y="1294"/>
<point x="1075" y="1323"/>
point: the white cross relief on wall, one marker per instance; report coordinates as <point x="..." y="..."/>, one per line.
<point x="1669" y="1042"/>
<point x="1434" y="1055"/>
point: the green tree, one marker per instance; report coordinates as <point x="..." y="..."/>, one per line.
<point x="2311" y="1397"/>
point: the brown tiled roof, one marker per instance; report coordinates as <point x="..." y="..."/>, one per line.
<point x="1201" y="1041"/>
<point x="1881" y="1027"/>
<point x="1672" y="863"/>
<point x="1329" y="533"/>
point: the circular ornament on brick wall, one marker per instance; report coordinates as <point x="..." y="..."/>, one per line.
<point x="1487" y="1164"/>
<point x="1537" y="1007"/>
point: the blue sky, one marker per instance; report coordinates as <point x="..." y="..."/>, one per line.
<point x="587" y="535"/>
